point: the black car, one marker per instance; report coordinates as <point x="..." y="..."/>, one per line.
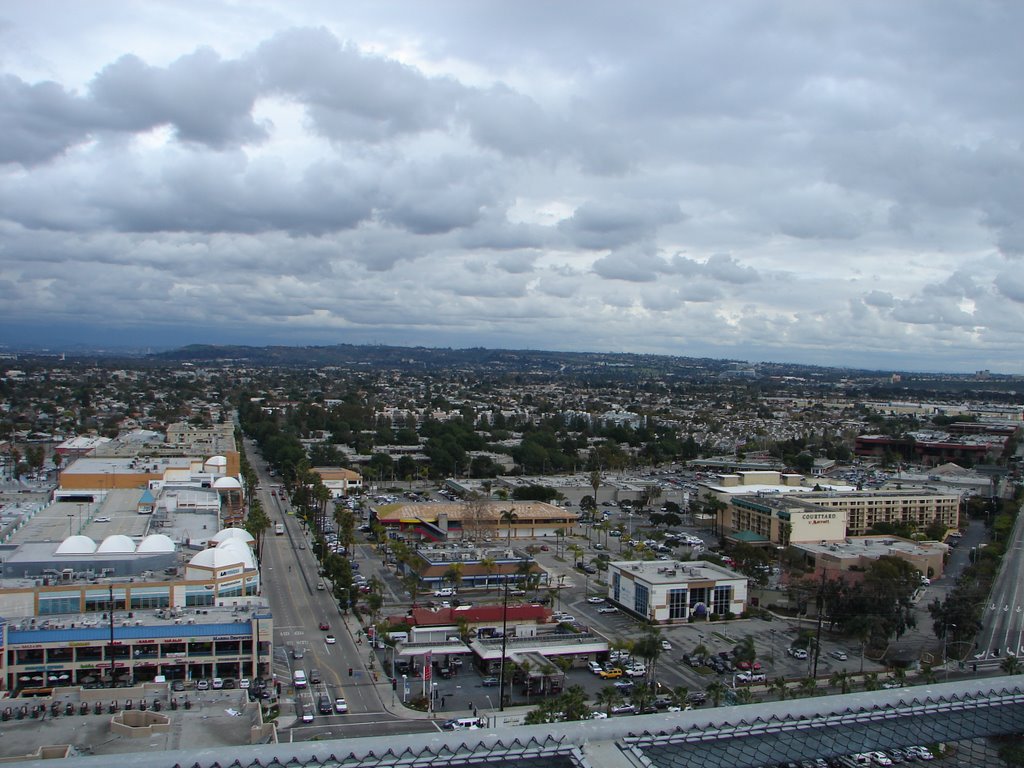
<point x="696" y="697"/>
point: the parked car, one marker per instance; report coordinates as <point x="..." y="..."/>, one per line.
<point x="623" y="709"/>
<point x="218" y="683"/>
<point x="594" y="667"/>
<point x="797" y="653"/>
<point x="841" y="655"/>
<point x="610" y="674"/>
<point x="202" y="685"/>
<point x="666" y="645"/>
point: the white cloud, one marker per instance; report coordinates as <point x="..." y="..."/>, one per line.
<point x="806" y="182"/>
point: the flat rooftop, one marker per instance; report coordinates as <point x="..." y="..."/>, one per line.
<point x="673" y="572"/>
<point x="873" y="547"/>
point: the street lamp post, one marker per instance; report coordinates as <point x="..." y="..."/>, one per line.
<point x="504" y="646"/>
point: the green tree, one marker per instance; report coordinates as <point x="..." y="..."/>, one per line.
<point x="607" y="698"/>
<point x="1011" y="665"/>
<point x="716" y="690"/>
<point x="508" y="518"/>
<point x="840" y="679"/>
<point x="781" y="687"/>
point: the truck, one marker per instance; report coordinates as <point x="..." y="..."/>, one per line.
<point x="279" y="529"/>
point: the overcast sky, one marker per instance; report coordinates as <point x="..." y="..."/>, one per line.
<point x="826" y="182"/>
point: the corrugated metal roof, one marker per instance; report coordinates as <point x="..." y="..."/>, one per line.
<point x="80" y="634"/>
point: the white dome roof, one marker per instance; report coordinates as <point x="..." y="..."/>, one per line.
<point x="231" y="553"/>
<point x="216" y="461"/>
<point x="116" y="544"/>
<point x="76" y="545"/>
<point x="156" y="542"/>
<point x="233" y="534"/>
<point x="239" y="550"/>
<point x="226" y="482"/>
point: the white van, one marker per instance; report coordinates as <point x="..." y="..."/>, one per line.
<point x="462" y="723"/>
<point x="299" y="678"/>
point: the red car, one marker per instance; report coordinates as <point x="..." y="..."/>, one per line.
<point x="324" y="626"/>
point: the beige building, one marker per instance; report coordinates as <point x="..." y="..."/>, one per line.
<point x="832" y="516"/>
<point x="339" y="481"/>
<point x="859" y="552"/>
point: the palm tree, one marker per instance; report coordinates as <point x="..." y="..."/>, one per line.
<point x="744" y="696"/>
<point x="607" y="698"/>
<point x="1011" y="665"/>
<point x="453" y="574"/>
<point x="641" y="696"/>
<point x="680" y="696"/>
<point x="745" y="650"/>
<point x="716" y="690"/>
<point x="595" y="483"/>
<point x="489" y="564"/>
<point x="871" y="681"/>
<point x="840" y="679"/>
<point x="509" y="518"/>
<point x="780" y="686"/>
<point x="648" y="648"/>
<point x="808" y="686"/>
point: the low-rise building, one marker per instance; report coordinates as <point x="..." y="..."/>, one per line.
<point x="669" y="592"/>
<point x="339" y="481"/>
<point x="475" y="520"/>
<point x="858" y="552"/>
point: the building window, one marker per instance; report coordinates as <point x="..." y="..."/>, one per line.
<point x="156" y="597"/>
<point x="67" y="602"/>
<point x="640" y="599"/>
<point x="677" y="603"/>
<point x="722" y="600"/>
<point x="616" y="585"/>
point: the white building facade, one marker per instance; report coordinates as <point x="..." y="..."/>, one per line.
<point x="669" y="592"/>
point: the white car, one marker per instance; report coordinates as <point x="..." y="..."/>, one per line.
<point x="101" y="520"/>
<point x="340" y="706"/>
<point x="921" y="753"/>
<point x="594" y="667"/>
<point x="608" y="609"/>
<point x="666" y="645"/>
<point x="330" y="639"/>
<point x="445" y="592"/>
<point x="564" y="618"/>
<point x="598" y="715"/>
<point x="595" y="600"/>
<point x="879" y="758"/>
